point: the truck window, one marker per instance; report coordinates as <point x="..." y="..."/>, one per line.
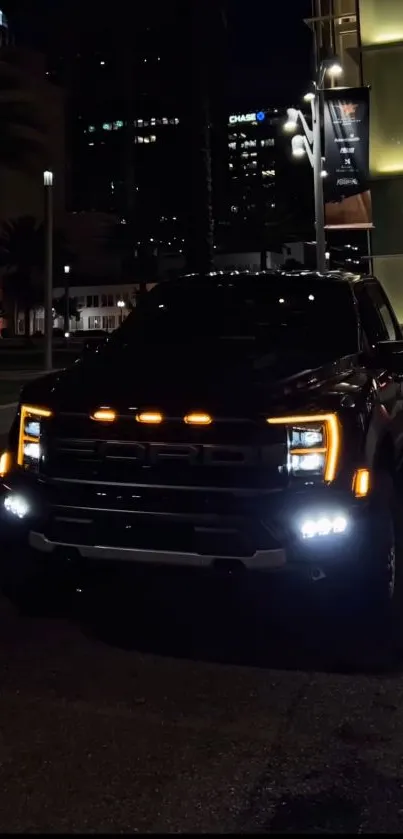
<point x="381" y="302"/>
<point x="244" y="316"/>
<point x="371" y="321"/>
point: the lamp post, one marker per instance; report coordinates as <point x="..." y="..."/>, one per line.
<point x="121" y="305"/>
<point x="310" y="143"/>
<point x="48" y="189"/>
<point x="66" y="301"/>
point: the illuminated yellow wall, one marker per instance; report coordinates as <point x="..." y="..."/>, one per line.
<point x="383" y="71"/>
<point x="381" y="31"/>
<point x="381" y="22"/>
<point x="389" y="271"/>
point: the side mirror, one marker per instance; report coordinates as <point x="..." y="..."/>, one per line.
<point x="390" y="355"/>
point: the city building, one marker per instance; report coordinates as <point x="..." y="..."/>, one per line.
<point x="367" y="35"/>
<point x="130" y="93"/>
<point x="252" y="142"/>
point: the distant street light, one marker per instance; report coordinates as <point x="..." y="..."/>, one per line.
<point x="121" y="305"/>
<point x="66" y="319"/>
<point x="310" y="143"/>
<point x="48" y="291"/>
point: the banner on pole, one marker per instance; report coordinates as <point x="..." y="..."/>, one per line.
<point x="346" y="188"/>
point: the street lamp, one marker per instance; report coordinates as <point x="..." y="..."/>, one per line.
<point x="121" y="305"/>
<point x="310" y="143"/>
<point x="66" y="301"/>
<point x="48" y="291"/>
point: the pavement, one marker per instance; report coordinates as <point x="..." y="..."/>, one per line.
<point x="184" y="711"/>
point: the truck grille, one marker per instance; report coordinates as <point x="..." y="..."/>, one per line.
<point x="230" y="456"/>
<point x="101" y="490"/>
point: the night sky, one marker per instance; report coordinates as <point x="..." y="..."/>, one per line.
<point x="270" y="46"/>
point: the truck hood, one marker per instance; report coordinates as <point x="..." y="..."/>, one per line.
<point x="175" y="384"/>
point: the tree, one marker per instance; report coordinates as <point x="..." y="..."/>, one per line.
<point x="59" y="307"/>
<point x="22" y="255"/>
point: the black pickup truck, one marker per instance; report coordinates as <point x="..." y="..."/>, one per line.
<point x="234" y="421"/>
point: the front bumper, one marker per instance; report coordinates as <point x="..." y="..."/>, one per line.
<point x="257" y="531"/>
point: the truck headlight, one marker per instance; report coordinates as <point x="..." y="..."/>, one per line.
<point x="29" y="440"/>
<point x="313" y="444"/>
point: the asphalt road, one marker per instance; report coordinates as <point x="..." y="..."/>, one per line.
<point x="197" y="707"/>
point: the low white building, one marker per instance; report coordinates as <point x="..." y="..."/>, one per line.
<point x="97" y="306"/>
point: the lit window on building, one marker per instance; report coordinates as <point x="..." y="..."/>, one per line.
<point x="94" y="322"/>
<point x="118" y="123"/>
<point x="269" y="173"/>
<point x="107" y="126"/>
<point x="248" y="144"/>
<point x="108" y="322"/>
<point x="91" y="128"/>
<point x="268" y="142"/>
<point x="232" y="145"/>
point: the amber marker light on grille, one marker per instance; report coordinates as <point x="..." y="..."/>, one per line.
<point x="5" y="464"/>
<point x="361" y="483"/>
<point x="198" y="419"/>
<point x="104" y="415"/>
<point x="332" y="427"/>
<point x="149" y="417"/>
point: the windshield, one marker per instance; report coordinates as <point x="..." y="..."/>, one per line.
<point x="246" y="314"/>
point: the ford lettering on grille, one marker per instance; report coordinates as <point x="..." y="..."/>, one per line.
<point x="153" y="454"/>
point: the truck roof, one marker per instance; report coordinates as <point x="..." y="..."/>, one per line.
<point x="328" y="276"/>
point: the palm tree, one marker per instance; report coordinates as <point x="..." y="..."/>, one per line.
<point x="22" y="253"/>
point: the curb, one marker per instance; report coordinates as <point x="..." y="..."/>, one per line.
<point x="8" y="406"/>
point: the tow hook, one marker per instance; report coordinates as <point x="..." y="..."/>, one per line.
<point x="317" y="574"/>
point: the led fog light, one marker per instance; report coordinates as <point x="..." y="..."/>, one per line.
<point x="325" y="525"/>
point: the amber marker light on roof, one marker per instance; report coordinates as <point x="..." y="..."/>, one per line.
<point x="198" y="419"/>
<point x="149" y="417"/>
<point x="104" y="415"/>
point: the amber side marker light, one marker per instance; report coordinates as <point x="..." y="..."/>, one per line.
<point x="149" y="417"/>
<point x="361" y="483"/>
<point x="104" y="415"/>
<point x="198" y="419"/>
<point x="331" y="425"/>
<point x="5" y="464"/>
